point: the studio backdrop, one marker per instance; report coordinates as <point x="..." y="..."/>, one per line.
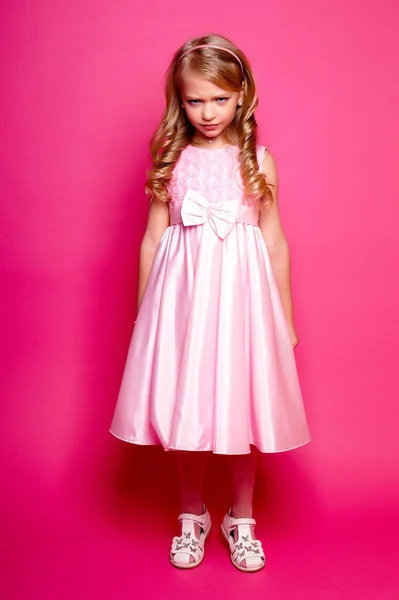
<point x="82" y="92"/>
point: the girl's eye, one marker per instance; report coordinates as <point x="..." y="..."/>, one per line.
<point x="221" y="100"/>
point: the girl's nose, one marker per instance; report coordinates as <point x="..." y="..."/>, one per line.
<point x="208" y="112"/>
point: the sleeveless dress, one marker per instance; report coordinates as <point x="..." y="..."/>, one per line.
<point x="210" y="364"/>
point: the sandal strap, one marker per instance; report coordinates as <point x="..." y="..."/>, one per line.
<point x="200" y="519"/>
<point x="235" y="522"/>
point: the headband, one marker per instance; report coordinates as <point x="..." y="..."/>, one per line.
<point x="216" y="48"/>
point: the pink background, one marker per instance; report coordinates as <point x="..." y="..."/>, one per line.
<point x="84" y="515"/>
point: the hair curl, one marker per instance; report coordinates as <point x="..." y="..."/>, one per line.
<point x="175" y="130"/>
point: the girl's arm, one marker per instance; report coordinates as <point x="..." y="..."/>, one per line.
<point x="277" y="246"/>
<point x="158" y="222"/>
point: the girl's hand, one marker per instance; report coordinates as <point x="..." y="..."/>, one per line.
<point x="294" y="337"/>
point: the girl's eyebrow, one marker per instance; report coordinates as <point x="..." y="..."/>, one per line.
<point x="192" y="97"/>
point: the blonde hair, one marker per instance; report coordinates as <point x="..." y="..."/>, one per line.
<point x="175" y="130"/>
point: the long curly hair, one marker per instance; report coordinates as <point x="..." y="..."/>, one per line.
<point x="175" y="131"/>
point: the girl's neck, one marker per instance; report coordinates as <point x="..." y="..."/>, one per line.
<point x="200" y="141"/>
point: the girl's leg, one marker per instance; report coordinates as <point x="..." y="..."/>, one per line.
<point x="192" y="466"/>
<point x="243" y="470"/>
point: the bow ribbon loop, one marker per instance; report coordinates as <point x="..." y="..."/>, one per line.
<point x="196" y="210"/>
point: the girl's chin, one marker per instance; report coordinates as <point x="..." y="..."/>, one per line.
<point x="211" y="135"/>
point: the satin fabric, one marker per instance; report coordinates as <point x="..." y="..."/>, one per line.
<point x="210" y="364"/>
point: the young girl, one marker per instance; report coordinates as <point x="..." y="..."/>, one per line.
<point x="211" y="366"/>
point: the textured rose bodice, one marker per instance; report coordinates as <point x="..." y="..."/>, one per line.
<point x="207" y="186"/>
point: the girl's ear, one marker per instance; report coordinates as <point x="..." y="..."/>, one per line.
<point x="241" y="94"/>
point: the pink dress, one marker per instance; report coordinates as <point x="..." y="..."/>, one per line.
<point x="210" y="364"/>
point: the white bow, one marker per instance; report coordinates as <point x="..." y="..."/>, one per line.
<point x="196" y="210"/>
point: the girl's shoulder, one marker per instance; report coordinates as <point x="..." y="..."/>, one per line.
<point x="267" y="162"/>
<point x="263" y="155"/>
<point x="261" y="151"/>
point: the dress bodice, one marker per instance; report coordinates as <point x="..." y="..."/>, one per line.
<point x="213" y="173"/>
<point x="214" y="178"/>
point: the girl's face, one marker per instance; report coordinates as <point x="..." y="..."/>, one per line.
<point x="209" y="108"/>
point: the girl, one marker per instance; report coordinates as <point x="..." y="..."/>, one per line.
<point x="211" y="366"/>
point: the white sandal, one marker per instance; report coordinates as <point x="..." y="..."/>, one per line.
<point x="245" y="548"/>
<point x="187" y="544"/>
